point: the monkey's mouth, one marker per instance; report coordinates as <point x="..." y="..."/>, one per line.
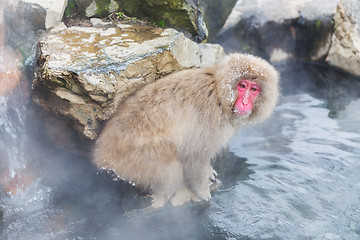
<point x="242" y="113"/>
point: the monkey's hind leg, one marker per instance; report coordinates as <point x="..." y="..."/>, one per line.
<point x="183" y="196"/>
<point x="164" y="171"/>
<point x="186" y="195"/>
<point x="170" y="180"/>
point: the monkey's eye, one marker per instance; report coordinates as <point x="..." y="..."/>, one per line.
<point x="254" y="89"/>
<point x="242" y="85"/>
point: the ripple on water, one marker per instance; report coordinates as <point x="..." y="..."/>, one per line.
<point x="311" y="192"/>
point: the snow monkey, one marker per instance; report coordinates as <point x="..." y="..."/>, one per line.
<point x="164" y="136"/>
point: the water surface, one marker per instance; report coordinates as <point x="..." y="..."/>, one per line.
<point x="294" y="177"/>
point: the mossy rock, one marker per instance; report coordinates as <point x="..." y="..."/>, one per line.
<point x="180" y="14"/>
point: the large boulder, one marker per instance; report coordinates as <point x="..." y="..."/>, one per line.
<point x="175" y="13"/>
<point x="280" y="30"/>
<point x="26" y="21"/>
<point x="345" y="42"/>
<point x="54" y="10"/>
<point x="83" y="73"/>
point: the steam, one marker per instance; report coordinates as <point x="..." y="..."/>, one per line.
<point x="47" y="193"/>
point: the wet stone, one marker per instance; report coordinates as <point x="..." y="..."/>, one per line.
<point x="84" y="72"/>
<point x="10" y="74"/>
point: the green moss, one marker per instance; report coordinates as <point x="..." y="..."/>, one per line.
<point x="318" y="25"/>
<point x="161" y="23"/>
<point x="162" y="12"/>
<point x="71" y="5"/>
<point x="70" y="9"/>
<point x="120" y="14"/>
<point x="168" y="3"/>
<point x="102" y="7"/>
<point x="177" y="17"/>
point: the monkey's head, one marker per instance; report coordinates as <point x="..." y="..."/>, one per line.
<point x="248" y="86"/>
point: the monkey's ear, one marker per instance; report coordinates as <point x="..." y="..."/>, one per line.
<point x="269" y="93"/>
<point x="228" y="75"/>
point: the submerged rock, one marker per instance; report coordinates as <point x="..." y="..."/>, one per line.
<point x="83" y="73"/>
<point x="10" y="74"/>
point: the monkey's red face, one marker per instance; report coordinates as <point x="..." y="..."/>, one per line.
<point x="247" y="94"/>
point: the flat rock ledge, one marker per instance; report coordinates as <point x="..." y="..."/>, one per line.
<point x="83" y="73"/>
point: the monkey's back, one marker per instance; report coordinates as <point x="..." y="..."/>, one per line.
<point x="164" y="122"/>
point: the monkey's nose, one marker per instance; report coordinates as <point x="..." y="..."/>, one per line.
<point x="245" y="101"/>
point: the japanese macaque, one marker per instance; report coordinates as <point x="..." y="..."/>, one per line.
<point x="163" y="137"/>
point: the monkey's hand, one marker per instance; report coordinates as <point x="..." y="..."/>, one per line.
<point x="213" y="177"/>
<point x="214" y="182"/>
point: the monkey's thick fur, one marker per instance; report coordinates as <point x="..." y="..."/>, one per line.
<point x="163" y="137"/>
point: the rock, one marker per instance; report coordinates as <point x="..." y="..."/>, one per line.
<point x="344" y="51"/>
<point x="210" y="54"/>
<point x="55" y="132"/>
<point x="24" y="24"/>
<point x="215" y="13"/>
<point x="279" y="30"/>
<point x="83" y="73"/>
<point x="26" y="21"/>
<point x="14" y="182"/>
<point x="175" y="13"/>
<point x="54" y="10"/>
<point x="10" y="73"/>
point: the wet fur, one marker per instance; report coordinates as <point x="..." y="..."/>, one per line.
<point x="164" y="137"/>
